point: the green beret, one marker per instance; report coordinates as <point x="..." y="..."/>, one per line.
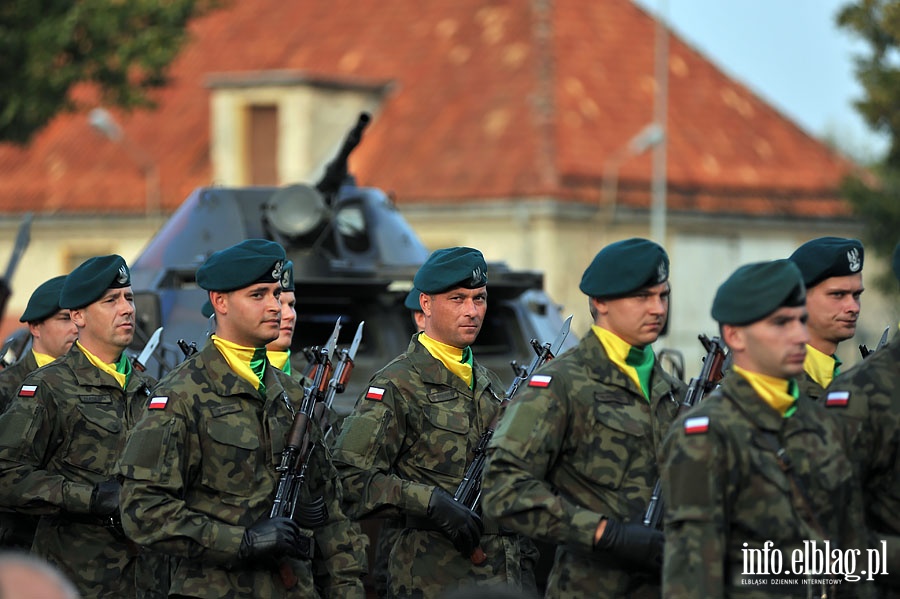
<point x="44" y="302"/>
<point x="624" y="267"/>
<point x="826" y="257"/>
<point x="756" y="290"/>
<point x="87" y="283"/>
<point x="450" y="268"/>
<point x="896" y="262"/>
<point x="287" y="276"/>
<point x="248" y="262"/>
<point x="412" y="300"/>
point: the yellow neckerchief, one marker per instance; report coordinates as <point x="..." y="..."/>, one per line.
<point x="280" y="360"/>
<point x="247" y="362"/>
<point x="120" y="370"/>
<point x="635" y="362"/>
<point x="780" y="394"/>
<point x="820" y="367"/>
<point x="42" y="359"/>
<point x="458" y="361"/>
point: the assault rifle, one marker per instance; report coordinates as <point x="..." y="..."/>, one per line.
<point x="469" y="491"/>
<point x="297" y="448"/>
<point x="23" y="238"/>
<point x="710" y="375"/>
<point x="866" y="352"/>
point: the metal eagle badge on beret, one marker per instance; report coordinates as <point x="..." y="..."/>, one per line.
<point x="853" y="260"/>
<point x="662" y="272"/>
<point x="277" y="271"/>
<point x="122" y="276"/>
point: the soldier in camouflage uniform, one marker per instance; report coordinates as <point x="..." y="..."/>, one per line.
<point x="866" y="400"/>
<point x="573" y="461"/>
<point x="406" y="445"/>
<point x="61" y="437"/>
<point x="200" y="468"/>
<point x="389" y="528"/>
<point x="751" y="464"/>
<point x="832" y="272"/>
<point x="52" y="333"/>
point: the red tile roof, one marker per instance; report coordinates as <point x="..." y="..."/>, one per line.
<point x="491" y="99"/>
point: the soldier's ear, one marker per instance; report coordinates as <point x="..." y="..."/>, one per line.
<point x="77" y="316"/>
<point x="219" y="302"/>
<point x="425" y="304"/>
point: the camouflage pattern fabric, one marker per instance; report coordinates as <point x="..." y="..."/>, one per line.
<point x="725" y="491"/>
<point x="577" y="450"/>
<point x="808" y="387"/>
<point x="16" y="530"/>
<point x="12" y="376"/>
<point x="866" y="401"/>
<point x="61" y="435"/>
<point x="200" y="470"/>
<point x="420" y="434"/>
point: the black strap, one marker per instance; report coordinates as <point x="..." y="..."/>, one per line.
<point x="787" y="466"/>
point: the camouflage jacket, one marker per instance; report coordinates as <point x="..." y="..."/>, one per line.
<point x="414" y="429"/>
<point x="808" y="387"/>
<point x="16" y="530"/>
<point x="61" y="435"/>
<point x="726" y="493"/>
<point x="12" y="377"/>
<point x="579" y="443"/>
<point x="200" y="469"/>
<point x="866" y="400"/>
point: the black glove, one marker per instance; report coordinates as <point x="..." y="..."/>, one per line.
<point x="635" y="543"/>
<point x="105" y="499"/>
<point x="273" y="537"/>
<point x="458" y="523"/>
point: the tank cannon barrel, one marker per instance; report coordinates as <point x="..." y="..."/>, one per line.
<point x="336" y="171"/>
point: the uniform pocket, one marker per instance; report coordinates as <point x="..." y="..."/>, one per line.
<point x="614" y="443"/>
<point x="95" y="438"/>
<point x="444" y="443"/>
<point x="231" y="454"/>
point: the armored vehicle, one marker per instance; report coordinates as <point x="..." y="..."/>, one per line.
<point x="354" y="258"/>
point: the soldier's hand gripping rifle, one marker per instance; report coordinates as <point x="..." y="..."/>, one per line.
<point x="469" y="491"/>
<point x="710" y="375"/>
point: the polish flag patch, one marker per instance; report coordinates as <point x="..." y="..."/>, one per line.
<point x="837" y="399"/>
<point x="699" y="424"/>
<point x="376" y="393"/>
<point x="541" y="381"/>
<point x="27" y="390"/>
<point x="158" y="403"/>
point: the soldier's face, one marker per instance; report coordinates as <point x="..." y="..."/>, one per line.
<point x="250" y="316"/>
<point x="288" y="320"/>
<point x="637" y="319"/>
<point x="106" y="327"/>
<point x="54" y="335"/>
<point x="455" y="317"/>
<point x="774" y="346"/>
<point x="833" y="308"/>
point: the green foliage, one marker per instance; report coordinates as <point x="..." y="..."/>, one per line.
<point x="49" y="46"/>
<point x="876" y="199"/>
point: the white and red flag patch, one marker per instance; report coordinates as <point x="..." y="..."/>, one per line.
<point x="27" y="390"/>
<point x="376" y="393"/>
<point x="837" y="399"/>
<point x="698" y="424"/>
<point x="158" y="403"/>
<point x="540" y="380"/>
